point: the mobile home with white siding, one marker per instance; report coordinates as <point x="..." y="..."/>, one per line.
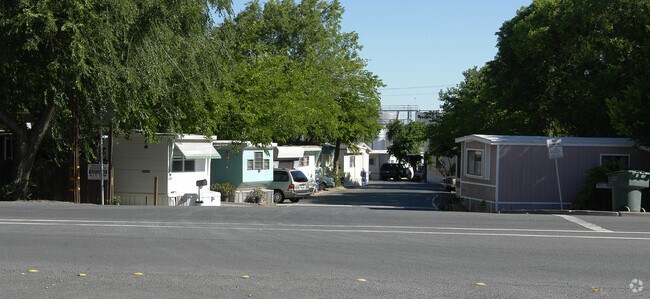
<point x="515" y="172"/>
<point x="177" y="162"/>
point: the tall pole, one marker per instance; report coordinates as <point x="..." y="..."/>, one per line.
<point x="155" y="191"/>
<point x="110" y="163"/>
<point x="559" y="190"/>
<point x="101" y="162"/>
<point x="75" y="175"/>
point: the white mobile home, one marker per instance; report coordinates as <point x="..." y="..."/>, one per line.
<point x="178" y="162"/>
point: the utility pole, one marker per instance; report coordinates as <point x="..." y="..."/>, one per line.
<point x="110" y="163"/>
<point x="101" y="162"/>
<point x="75" y="175"/>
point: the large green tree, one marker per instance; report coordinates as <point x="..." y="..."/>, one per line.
<point x="278" y="87"/>
<point x="576" y="67"/>
<point x="144" y="65"/>
<point x="563" y="67"/>
<point x="298" y="76"/>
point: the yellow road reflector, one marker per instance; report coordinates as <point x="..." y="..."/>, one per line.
<point x="137" y="273"/>
<point x="32" y="271"/>
<point x="480" y="283"/>
<point x="245" y="277"/>
<point x="595" y="289"/>
<point x="361" y="280"/>
<point x="82" y="274"/>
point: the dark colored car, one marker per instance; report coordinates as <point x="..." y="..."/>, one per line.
<point x="394" y="171"/>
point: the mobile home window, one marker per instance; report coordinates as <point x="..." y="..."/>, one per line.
<point x="258" y="162"/>
<point x="183" y="165"/>
<point x="304" y="161"/>
<point x="624" y="160"/>
<point x="475" y="162"/>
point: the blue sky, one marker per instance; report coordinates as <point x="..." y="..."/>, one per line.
<point x="412" y="44"/>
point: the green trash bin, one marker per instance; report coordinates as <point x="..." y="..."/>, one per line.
<point x="626" y="189"/>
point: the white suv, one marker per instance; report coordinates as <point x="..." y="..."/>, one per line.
<point x="289" y="183"/>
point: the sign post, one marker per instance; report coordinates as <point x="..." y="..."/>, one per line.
<point x="555" y="152"/>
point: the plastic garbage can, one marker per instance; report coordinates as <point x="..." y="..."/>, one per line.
<point x="626" y="189"/>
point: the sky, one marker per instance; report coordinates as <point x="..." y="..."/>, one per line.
<point x="418" y="47"/>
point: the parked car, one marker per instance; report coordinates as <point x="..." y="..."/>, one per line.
<point x="324" y="183"/>
<point x="394" y="171"/>
<point x="289" y="184"/>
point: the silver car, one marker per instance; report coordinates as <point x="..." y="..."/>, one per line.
<point x="289" y="184"/>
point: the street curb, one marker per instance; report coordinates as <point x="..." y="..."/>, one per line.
<point x="634" y="214"/>
<point x="564" y="212"/>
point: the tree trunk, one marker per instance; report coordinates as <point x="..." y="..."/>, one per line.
<point x="337" y="153"/>
<point x="28" y="141"/>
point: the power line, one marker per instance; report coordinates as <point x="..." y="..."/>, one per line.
<point x="417" y="87"/>
<point x="408" y="94"/>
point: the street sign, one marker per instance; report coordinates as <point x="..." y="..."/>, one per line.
<point x="555" y="152"/>
<point x="95" y="170"/>
<point x="554" y="148"/>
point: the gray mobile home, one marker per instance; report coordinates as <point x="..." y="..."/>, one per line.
<point x="515" y="172"/>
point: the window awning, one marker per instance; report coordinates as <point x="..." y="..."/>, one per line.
<point x="290" y="152"/>
<point x="197" y="150"/>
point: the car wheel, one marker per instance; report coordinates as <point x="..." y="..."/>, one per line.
<point x="294" y="199"/>
<point x="278" y="197"/>
<point x="322" y="186"/>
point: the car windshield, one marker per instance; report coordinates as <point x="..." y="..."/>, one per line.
<point x="298" y="176"/>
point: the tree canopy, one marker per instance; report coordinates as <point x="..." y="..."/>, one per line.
<point x="140" y="64"/>
<point x="281" y="72"/>
<point x="406" y="138"/>
<point x="563" y="68"/>
<point x="297" y="77"/>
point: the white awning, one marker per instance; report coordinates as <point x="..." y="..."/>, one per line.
<point x="197" y="150"/>
<point x="290" y="152"/>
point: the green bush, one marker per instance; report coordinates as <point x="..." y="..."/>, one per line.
<point x="226" y="189"/>
<point x="594" y="176"/>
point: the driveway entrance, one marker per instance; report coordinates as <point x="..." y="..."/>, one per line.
<point x="398" y="194"/>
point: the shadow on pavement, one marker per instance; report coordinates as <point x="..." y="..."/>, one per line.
<point x="403" y="195"/>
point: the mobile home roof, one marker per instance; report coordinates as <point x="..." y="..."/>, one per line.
<point x="541" y="140"/>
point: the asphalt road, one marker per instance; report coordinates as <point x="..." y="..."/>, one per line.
<point x="312" y="250"/>
<point x="403" y="194"/>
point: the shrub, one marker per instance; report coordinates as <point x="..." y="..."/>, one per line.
<point x="594" y="176"/>
<point x="226" y="189"/>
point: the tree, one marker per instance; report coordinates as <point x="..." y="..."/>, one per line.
<point x="143" y="64"/>
<point x="575" y="67"/>
<point x="279" y="87"/>
<point x="563" y="68"/>
<point x="407" y="139"/>
<point x="466" y="110"/>
<point x="297" y="76"/>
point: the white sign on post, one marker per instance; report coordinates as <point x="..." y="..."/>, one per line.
<point x="95" y="170"/>
<point x="554" y="148"/>
<point x="555" y="152"/>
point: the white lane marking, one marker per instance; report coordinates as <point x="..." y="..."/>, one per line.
<point x="586" y="224"/>
<point x="354" y="231"/>
<point x="168" y="224"/>
<point x="478" y="234"/>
